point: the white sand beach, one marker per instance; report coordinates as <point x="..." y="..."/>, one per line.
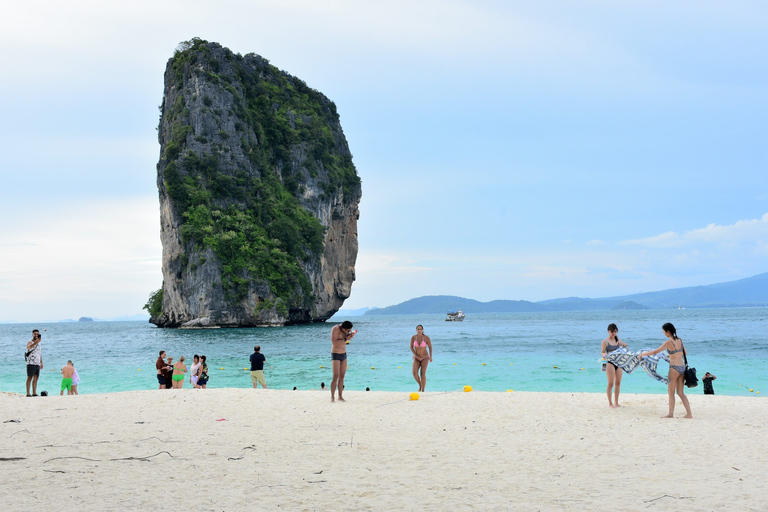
<point x="244" y="449"/>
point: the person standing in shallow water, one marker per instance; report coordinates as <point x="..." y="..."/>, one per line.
<point x="675" y="348"/>
<point x="340" y="335"/>
<point x="419" y="344"/>
<point x="194" y="372"/>
<point x="613" y="372"/>
<point x="202" y="380"/>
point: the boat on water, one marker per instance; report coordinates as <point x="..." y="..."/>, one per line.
<point x="455" y="316"/>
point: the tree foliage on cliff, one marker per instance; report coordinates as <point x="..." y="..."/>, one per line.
<point x="252" y="220"/>
<point x="154" y="304"/>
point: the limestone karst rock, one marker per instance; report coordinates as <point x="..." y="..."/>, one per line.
<point x="258" y="195"/>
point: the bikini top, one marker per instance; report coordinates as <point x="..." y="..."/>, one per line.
<point x="423" y="343"/>
<point x="670" y="352"/>
<point x="609" y="347"/>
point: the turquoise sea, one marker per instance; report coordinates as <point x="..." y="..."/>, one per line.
<point x="555" y="351"/>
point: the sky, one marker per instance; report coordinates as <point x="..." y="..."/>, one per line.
<point x="508" y="150"/>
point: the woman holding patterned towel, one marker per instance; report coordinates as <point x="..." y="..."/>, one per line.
<point x="613" y="372"/>
<point x="676" y="350"/>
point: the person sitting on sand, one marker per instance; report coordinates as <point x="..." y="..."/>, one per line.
<point x="675" y="348"/>
<point x="66" y="378"/>
<point x="613" y="372"/>
<point x="194" y="372"/>
<point x="179" y="371"/>
<point x="419" y="344"/>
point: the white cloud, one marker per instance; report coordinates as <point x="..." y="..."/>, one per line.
<point x="98" y="258"/>
<point x="746" y="231"/>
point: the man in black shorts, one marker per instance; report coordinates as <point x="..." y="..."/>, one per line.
<point x="162" y="370"/>
<point x="34" y="357"/>
<point x="340" y="335"/>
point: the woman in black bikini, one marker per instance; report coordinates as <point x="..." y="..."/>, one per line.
<point x="614" y="373"/>
<point x="675" y="348"/>
<point x="419" y="344"/>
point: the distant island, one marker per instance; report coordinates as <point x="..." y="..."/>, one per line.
<point x="85" y="319"/>
<point x="748" y="292"/>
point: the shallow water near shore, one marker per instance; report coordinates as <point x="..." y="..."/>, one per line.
<point x="555" y="351"/>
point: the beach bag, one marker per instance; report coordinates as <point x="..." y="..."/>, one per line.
<point x="689" y="376"/>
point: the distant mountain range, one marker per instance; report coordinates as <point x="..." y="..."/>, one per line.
<point x="749" y="292"/>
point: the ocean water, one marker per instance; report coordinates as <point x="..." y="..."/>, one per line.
<point x="556" y="351"/>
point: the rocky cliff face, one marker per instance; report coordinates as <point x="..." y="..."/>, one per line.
<point x="258" y="195"/>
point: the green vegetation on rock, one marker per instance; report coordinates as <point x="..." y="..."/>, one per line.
<point x="154" y="304"/>
<point x="251" y="216"/>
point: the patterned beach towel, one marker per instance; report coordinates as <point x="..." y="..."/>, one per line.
<point x="628" y="361"/>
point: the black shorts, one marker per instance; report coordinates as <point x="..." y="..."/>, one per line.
<point x="161" y="379"/>
<point x="33" y="370"/>
<point x="202" y="381"/>
<point x="338" y="357"/>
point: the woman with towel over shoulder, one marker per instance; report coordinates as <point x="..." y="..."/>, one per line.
<point x="675" y="348"/>
<point x="613" y="372"/>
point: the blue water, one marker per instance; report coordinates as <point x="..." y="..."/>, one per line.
<point x="520" y="352"/>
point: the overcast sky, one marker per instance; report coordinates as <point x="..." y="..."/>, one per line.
<point x="508" y="150"/>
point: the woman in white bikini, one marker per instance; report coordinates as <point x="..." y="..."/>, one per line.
<point x="675" y="348"/>
<point x="194" y="372"/>
<point x="419" y="344"/>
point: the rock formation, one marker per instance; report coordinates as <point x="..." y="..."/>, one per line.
<point x="258" y="195"/>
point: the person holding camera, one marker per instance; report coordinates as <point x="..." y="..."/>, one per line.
<point x="340" y="336"/>
<point x="707" y="380"/>
<point x="34" y="358"/>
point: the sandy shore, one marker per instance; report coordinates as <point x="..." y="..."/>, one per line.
<point x="294" y="450"/>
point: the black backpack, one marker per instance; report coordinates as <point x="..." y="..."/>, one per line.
<point x="690" y="373"/>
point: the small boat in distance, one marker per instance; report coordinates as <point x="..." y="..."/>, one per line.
<point x="455" y="316"/>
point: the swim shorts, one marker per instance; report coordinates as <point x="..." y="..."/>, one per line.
<point x="161" y="379"/>
<point x="338" y="357"/>
<point x="202" y="381"/>
<point x="66" y="383"/>
<point x="33" y="370"/>
<point x="257" y="376"/>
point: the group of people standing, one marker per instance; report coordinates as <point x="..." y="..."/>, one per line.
<point x="677" y="365"/>
<point x="171" y="375"/>
<point x="34" y="360"/>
